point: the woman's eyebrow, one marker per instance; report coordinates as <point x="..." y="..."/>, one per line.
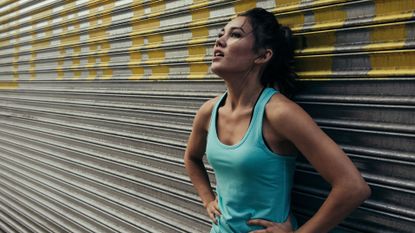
<point x="233" y="28"/>
<point x="240" y="28"/>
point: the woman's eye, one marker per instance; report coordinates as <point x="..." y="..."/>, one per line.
<point x="235" y="34"/>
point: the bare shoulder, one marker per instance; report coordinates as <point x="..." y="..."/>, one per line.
<point x="202" y="118"/>
<point x="288" y="118"/>
<point x="282" y="109"/>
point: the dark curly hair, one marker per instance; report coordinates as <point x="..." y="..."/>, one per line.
<point x="268" y="33"/>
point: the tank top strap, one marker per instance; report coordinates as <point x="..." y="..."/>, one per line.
<point x="213" y="115"/>
<point x="258" y="115"/>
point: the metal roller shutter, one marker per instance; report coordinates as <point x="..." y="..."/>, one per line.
<point x="97" y="100"/>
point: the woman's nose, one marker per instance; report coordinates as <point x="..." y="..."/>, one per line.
<point x="220" y="42"/>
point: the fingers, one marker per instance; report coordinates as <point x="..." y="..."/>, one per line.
<point x="287" y="224"/>
<point x="212" y="217"/>
<point x="260" y="222"/>
<point x="271" y="226"/>
<point x="260" y="231"/>
<point x="213" y="211"/>
<point x="216" y="209"/>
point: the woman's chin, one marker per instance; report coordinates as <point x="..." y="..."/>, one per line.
<point x="215" y="68"/>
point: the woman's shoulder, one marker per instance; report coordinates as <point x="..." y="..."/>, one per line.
<point x="282" y="108"/>
<point x="204" y="113"/>
<point x="207" y="106"/>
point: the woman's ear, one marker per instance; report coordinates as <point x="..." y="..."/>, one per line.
<point x="264" y="57"/>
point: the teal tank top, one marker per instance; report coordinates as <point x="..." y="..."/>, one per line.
<point x="252" y="182"/>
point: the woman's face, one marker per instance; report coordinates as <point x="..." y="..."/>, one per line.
<point x="233" y="51"/>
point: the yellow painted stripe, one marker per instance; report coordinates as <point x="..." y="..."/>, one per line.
<point x="138" y="11"/>
<point x="137" y="73"/>
<point x="328" y="17"/>
<point x="107" y="73"/>
<point x="293" y="20"/>
<point x="146" y="25"/>
<point x="16" y="62"/>
<point x="157" y="8"/>
<point x="319" y="42"/>
<point x="159" y="72"/>
<point x="199" y="35"/>
<point x="197" y="51"/>
<point x="60" y="64"/>
<point x="200" y="16"/>
<point x="393" y="63"/>
<point x="397" y="9"/>
<point x="6" y="85"/>
<point x="317" y="65"/>
<point x="137" y="41"/>
<point x="198" y="70"/>
<point x="69" y="8"/>
<point x="244" y="5"/>
<point x="395" y="35"/>
<point x="198" y="4"/>
<point x="283" y="3"/>
<point x="32" y="69"/>
<point x="92" y="74"/>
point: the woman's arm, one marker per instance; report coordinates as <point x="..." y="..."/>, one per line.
<point x="348" y="189"/>
<point x="193" y="159"/>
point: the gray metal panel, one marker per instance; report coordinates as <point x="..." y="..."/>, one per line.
<point x="97" y="100"/>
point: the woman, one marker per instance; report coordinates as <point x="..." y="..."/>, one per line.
<point x="251" y="133"/>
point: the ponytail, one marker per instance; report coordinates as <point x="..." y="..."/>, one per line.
<point x="269" y="34"/>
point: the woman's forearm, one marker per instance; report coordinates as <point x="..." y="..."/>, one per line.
<point x="200" y="179"/>
<point x="341" y="201"/>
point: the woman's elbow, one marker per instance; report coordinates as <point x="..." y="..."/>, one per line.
<point x="362" y="191"/>
<point x="365" y="191"/>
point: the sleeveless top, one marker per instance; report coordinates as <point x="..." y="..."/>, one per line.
<point x="252" y="182"/>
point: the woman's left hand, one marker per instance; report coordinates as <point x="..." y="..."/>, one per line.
<point x="272" y="227"/>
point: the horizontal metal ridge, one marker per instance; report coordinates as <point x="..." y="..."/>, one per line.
<point x="201" y="96"/>
<point x="60" y="198"/>
<point x="102" y="176"/>
<point x="50" y="209"/>
<point x="94" y="200"/>
<point x="108" y="114"/>
<point x="371" y="131"/>
<point x="43" y="214"/>
<point x="50" y="172"/>
<point x="92" y="137"/>
<point x="368" y="205"/>
<point x="364" y="100"/>
<point x="376" y="153"/>
<point x="111" y="101"/>
<point x="387" y="182"/>
<point x="366" y="125"/>
<point x="5" y="224"/>
<point x="121" y="8"/>
<point x="13" y="222"/>
<point x="90" y="148"/>
<point x="14" y="138"/>
<point x="40" y="224"/>
<point x="9" y="209"/>
<point x="103" y="105"/>
<point x="372" y="225"/>
<point x="103" y="158"/>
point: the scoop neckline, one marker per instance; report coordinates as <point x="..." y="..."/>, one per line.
<point x="243" y="139"/>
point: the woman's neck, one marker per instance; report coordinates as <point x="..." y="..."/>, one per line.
<point x="242" y="93"/>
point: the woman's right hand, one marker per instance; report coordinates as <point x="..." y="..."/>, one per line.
<point x="213" y="210"/>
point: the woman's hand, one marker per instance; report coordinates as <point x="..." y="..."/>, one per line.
<point x="213" y="210"/>
<point x="272" y="227"/>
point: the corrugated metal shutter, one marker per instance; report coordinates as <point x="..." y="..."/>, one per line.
<point x="97" y="99"/>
